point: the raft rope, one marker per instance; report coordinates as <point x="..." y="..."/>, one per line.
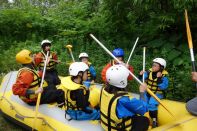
<point x="177" y="124"/>
<point x="7" y="85"/>
<point x="44" y="122"/>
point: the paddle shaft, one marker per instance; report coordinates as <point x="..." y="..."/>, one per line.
<point x="144" y="60"/>
<point x="114" y="57"/>
<point x="71" y="53"/>
<point x="148" y="90"/>
<point x="132" y="50"/>
<point x="39" y="95"/>
<point x="190" y="44"/>
<point x="192" y="60"/>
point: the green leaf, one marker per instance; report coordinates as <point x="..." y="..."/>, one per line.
<point x="178" y="61"/>
<point x="173" y="54"/>
<point x="155" y="43"/>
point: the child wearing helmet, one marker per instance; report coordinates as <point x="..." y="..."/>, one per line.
<point x="83" y="57"/>
<point x="51" y="73"/>
<point x="77" y="95"/>
<point x="119" y="54"/>
<point x="157" y="81"/>
<point x="119" y="110"/>
<point x="28" y="82"/>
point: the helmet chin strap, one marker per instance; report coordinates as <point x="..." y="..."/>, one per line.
<point x="161" y="68"/>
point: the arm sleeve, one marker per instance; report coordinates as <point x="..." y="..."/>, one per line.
<point x="143" y="96"/>
<point x="163" y="83"/>
<point x="93" y="72"/>
<point x="55" y="56"/>
<point x="145" y="75"/>
<point x="22" y="84"/>
<point x="129" y="107"/>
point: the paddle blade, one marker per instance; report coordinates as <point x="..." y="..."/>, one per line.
<point x="160" y="102"/>
<point x="69" y="46"/>
<point x="189" y="36"/>
<point x="36" y="111"/>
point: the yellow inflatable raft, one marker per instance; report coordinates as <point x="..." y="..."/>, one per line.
<point x="50" y="117"/>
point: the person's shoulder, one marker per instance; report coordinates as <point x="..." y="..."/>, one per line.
<point x="148" y="71"/>
<point x="130" y="66"/>
<point x="165" y="73"/>
<point x="89" y="63"/>
<point x="26" y="72"/>
<point x="124" y="99"/>
<point x="39" y="54"/>
<point x="53" y="52"/>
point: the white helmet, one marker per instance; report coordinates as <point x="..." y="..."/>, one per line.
<point x="45" y="41"/>
<point x="83" y="55"/>
<point x="76" y="67"/>
<point x="117" y="76"/>
<point x="161" y="61"/>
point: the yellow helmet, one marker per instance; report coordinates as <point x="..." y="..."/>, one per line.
<point x="24" y="57"/>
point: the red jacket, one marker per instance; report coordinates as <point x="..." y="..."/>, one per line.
<point x="23" y="83"/>
<point x="111" y="63"/>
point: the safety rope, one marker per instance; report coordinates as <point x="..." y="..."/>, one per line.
<point x="7" y="84"/>
<point x="44" y="122"/>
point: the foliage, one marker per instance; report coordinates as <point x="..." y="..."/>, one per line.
<point x="159" y="24"/>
